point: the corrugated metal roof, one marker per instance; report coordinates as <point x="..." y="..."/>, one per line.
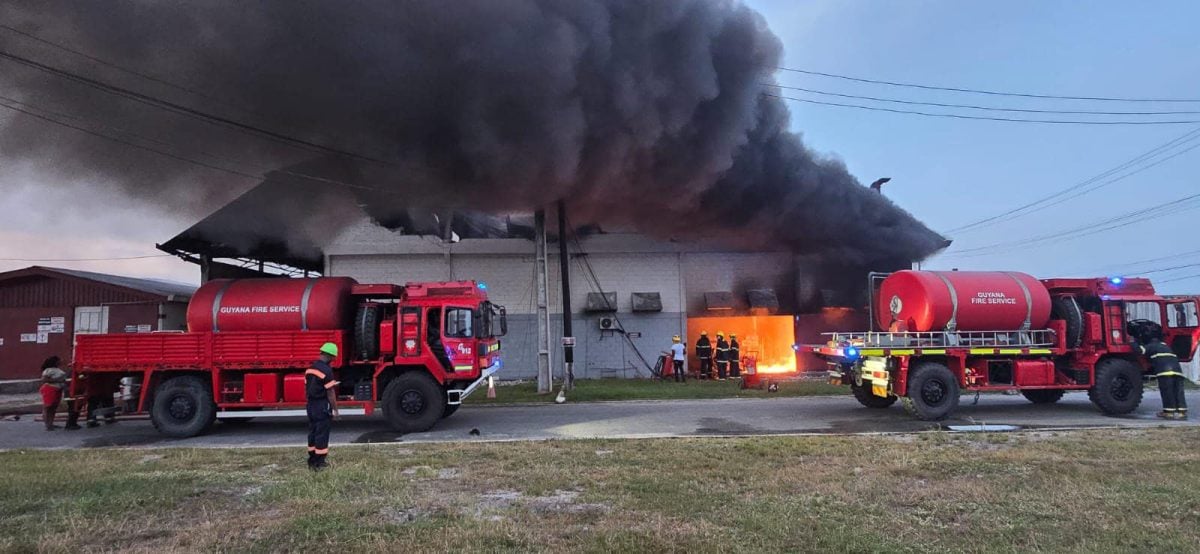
<point x="159" y="287"/>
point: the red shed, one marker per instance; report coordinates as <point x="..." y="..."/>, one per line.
<point x="43" y="308"/>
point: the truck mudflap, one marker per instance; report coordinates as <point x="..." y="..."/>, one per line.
<point x="875" y="371"/>
<point x="455" y="397"/>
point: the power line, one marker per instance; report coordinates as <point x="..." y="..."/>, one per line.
<point x="207" y="165"/>
<point x="190" y="112"/>
<point x="1185" y="278"/>
<point x="1123" y="220"/>
<point x="1040" y="203"/>
<point x="987" y="92"/>
<point x="981" y="117"/>
<point x="972" y="106"/>
<point x="122" y="69"/>
<point x="86" y="259"/>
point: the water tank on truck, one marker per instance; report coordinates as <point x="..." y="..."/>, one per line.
<point x="272" y="305"/>
<point x="962" y="301"/>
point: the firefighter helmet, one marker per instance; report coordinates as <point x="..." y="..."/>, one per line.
<point x="329" y="348"/>
<point x="675" y="338"/>
<point x="704" y="333"/>
<point x="720" y="333"/>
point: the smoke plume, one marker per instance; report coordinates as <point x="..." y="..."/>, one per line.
<point x="643" y="114"/>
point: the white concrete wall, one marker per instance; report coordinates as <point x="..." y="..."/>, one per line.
<point x="624" y="264"/>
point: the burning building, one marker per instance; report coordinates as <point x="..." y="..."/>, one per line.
<point x="631" y="292"/>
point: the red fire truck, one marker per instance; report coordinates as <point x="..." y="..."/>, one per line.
<point x="942" y="333"/>
<point x="414" y="352"/>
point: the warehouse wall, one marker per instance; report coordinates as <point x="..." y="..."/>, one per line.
<point x="680" y="273"/>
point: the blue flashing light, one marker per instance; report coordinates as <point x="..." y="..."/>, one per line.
<point x="851" y="352"/>
<point x="482" y="285"/>
<point x="796" y="347"/>
<point x="1116" y="280"/>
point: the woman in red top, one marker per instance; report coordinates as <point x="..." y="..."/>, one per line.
<point x="54" y="380"/>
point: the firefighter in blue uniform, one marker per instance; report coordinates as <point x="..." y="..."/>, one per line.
<point x="735" y="357"/>
<point x="704" y="351"/>
<point x="722" y="356"/>
<point x="1166" y="370"/>
<point x="321" y="391"/>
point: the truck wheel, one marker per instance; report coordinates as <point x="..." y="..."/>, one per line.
<point x="183" y="407"/>
<point x="864" y="396"/>
<point x="450" y="409"/>
<point x="932" y="392"/>
<point x="413" y="402"/>
<point x="1043" y="396"/>
<point x="1067" y="309"/>
<point x="1118" y="386"/>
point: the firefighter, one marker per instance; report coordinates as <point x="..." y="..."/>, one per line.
<point x="678" y="354"/>
<point x="321" y="390"/>
<point x="735" y="357"/>
<point x="1169" y="374"/>
<point x="704" y="351"/>
<point x="722" y="356"/>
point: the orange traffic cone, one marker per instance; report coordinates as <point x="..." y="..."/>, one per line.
<point x="491" y="388"/>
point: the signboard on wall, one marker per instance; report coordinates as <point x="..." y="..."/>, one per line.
<point x="28" y="337"/>
<point x="43" y="337"/>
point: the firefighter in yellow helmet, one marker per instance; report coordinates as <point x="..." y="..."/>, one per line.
<point x="321" y="391"/>
<point x="704" y="351"/>
<point x="722" y="356"/>
<point x="678" y="354"/>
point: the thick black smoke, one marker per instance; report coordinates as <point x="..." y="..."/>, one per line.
<point x="648" y="114"/>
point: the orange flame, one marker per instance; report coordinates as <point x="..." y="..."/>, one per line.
<point x="766" y="339"/>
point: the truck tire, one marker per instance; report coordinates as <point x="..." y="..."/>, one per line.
<point x="450" y="409"/>
<point x="1043" y="396"/>
<point x="366" y="333"/>
<point x="1067" y="309"/>
<point x="1118" y="386"/>
<point x="183" y="407"/>
<point x="413" y="402"/>
<point x="932" y="392"/>
<point x="864" y="396"/>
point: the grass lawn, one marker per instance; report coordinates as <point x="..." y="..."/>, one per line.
<point x="651" y="389"/>
<point x="1083" y="491"/>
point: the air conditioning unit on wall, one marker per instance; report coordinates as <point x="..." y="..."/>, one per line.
<point x="608" y="323"/>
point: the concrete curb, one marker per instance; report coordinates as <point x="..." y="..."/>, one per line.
<point x="25" y="409"/>
<point x="20" y="386"/>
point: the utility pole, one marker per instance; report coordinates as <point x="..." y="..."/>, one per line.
<point x="545" y="381"/>
<point x="565" y="274"/>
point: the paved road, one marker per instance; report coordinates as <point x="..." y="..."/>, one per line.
<point x="609" y="420"/>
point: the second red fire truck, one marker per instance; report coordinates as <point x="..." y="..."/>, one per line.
<point x="939" y="334"/>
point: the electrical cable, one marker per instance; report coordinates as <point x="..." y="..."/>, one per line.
<point x="120" y="258"/>
<point x="600" y="289"/>
<point x="178" y="157"/>
<point x="971" y="106"/>
<point x="194" y="113"/>
<point x="1115" y="222"/>
<point x="983" y="118"/>
<point x="987" y="92"/>
<point x="1040" y="203"/>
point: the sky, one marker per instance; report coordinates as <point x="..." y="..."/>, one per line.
<point x="947" y="172"/>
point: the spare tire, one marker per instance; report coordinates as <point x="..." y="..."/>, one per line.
<point x="366" y="332"/>
<point x="1067" y="309"/>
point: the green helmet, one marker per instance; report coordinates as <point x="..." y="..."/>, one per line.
<point x="329" y="348"/>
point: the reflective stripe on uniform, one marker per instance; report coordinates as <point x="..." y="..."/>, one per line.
<point x="315" y="372"/>
<point x="332" y="384"/>
<point x="1164" y="354"/>
<point x="1170" y="374"/>
<point x="312" y="449"/>
<point x="321" y="451"/>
